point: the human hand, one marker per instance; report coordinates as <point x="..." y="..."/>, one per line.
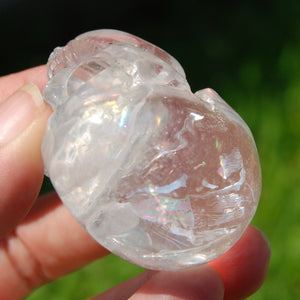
<point x="40" y="241"/>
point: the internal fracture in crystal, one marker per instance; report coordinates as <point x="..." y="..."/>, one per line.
<point x="162" y="177"/>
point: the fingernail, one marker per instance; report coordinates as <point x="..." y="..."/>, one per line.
<point x="18" y="111"/>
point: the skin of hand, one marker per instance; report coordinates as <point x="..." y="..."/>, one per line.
<point x="40" y="241"/>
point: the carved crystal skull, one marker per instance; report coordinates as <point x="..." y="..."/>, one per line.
<point x="162" y="177"/>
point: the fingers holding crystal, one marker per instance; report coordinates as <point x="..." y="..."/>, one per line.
<point x="67" y="246"/>
<point x="235" y="275"/>
<point x="23" y="118"/>
<point x="10" y="83"/>
<point x="244" y="267"/>
<point x="47" y="244"/>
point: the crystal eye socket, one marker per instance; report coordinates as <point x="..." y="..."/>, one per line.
<point x="89" y="43"/>
<point x="106" y="60"/>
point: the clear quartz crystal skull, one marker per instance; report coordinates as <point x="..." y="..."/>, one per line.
<point x="162" y="177"/>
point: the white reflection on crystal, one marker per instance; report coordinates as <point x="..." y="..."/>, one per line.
<point x="166" y="189"/>
<point x="196" y="117"/>
<point x="209" y="185"/>
<point x="232" y="187"/>
<point x="124" y="115"/>
<point x="230" y="163"/>
<point x="154" y="206"/>
<point x="237" y="185"/>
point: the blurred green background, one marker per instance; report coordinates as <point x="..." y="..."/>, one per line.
<point x="248" y="51"/>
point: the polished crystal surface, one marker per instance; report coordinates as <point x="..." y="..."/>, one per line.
<point x="160" y="176"/>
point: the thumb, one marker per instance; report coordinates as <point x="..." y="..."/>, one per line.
<point x="23" y="118"/>
<point x="202" y="282"/>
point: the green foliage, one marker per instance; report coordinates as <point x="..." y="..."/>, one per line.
<point x="89" y="281"/>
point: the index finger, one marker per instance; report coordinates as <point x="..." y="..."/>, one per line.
<point x="10" y="83"/>
<point x="244" y="267"/>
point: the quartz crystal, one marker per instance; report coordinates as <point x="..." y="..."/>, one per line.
<point x="161" y="176"/>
